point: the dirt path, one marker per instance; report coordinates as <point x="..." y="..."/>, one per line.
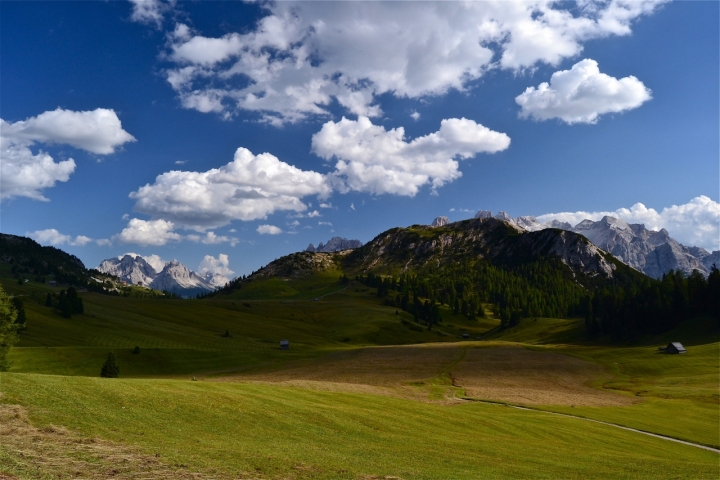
<point x="656" y="435"/>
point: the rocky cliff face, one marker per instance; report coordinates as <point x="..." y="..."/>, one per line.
<point x="497" y="241"/>
<point x="440" y="221"/>
<point x="177" y="278"/>
<point x="132" y="269"/>
<point x="651" y="252"/>
<point x="335" y="244"/>
<point x="174" y="277"/>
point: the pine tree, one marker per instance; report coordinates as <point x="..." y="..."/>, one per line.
<point x="110" y="368"/>
<point x="8" y="329"/>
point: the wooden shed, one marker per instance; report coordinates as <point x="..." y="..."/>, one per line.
<point x="675" y="347"/>
<point x="284" y="345"/>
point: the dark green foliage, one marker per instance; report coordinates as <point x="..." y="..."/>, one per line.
<point x="110" y="368"/>
<point x="49" y="300"/>
<point x="626" y="310"/>
<point x="226" y="334"/>
<point x="8" y="329"/>
<point x="68" y="303"/>
<point x="136" y="350"/>
<point x="20" y="309"/>
<point x="543" y="288"/>
<point x="20" y="281"/>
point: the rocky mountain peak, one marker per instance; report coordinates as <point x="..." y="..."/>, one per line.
<point x="335" y="244"/>
<point x="440" y="221"/>
<point x="503" y="215"/>
<point x="651" y="252"/>
<point x="484" y="214"/>
<point x="174" y="277"/>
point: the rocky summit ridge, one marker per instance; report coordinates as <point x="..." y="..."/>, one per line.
<point x="173" y="277"/>
<point x="651" y="252"/>
<point x="335" y="244"/>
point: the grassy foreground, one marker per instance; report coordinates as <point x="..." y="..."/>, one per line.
<point x="265" y="431"/>
<point x="156" y="423"/>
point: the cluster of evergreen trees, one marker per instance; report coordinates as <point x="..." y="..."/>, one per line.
<point x="626" y="310"/>
<point x="628" y="306"/>
<point x="66" y="302"/>
<point x="544" y="288"/>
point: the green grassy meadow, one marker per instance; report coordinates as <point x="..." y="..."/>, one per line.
<point x="260" y="429"/>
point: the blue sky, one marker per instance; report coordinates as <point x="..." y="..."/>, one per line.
<point x="99" y="99"/>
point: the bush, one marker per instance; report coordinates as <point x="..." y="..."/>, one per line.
<point x="136" y="350"/>
<point x="110" y="368"/>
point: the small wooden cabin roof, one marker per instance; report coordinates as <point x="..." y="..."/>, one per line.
<point x="284" y="342"/>
<point x="677" y="346"/>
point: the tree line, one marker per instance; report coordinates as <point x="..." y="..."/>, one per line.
<point x="624" y="311"/>
<point x="625" y="307"/>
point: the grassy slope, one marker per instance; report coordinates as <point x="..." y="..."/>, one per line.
<point x="680" y="392"/>
<point x="180" y="338"/>
<point x="183" y="337"/>
<point x="286" y="432"/>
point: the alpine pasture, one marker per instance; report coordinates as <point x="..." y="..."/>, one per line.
<point x="363" y="392"/>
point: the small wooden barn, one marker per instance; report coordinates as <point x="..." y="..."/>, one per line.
<point x="284" y="345"/>
<point x="675" y="347"/>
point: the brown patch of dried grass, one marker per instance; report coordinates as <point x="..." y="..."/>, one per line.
<point x="519" y="375"/>
<point x="55" y="452"/>
<point x="485" y="371"/>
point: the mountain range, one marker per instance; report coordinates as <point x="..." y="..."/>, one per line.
<point x="173" y="276"/>
<point x="335" y="244"/>
<point x="652" y="252"/>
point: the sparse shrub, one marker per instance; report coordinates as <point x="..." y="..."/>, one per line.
<point x="110" y="368"/>
<point x="136" y="350"/>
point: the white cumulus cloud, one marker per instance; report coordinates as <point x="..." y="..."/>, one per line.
<point x="696" y="223"/>
<point x="581" y="95"/>
<point x="212" y="265"/>
<point x="98" y="131"/>
<point x="51" y="236"/>
<point x="302" y="56"/>
<point x="268" y="230"/>
<point x="25" y="174"/>
<point x="372" y="159"/>
<point x="150" y="11"/>
<point x="148" y="232"/>
<point x="248" y="188"/>
<point x="211" y="238"/>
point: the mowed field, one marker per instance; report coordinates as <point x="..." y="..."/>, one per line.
<point x="360" y="394"/>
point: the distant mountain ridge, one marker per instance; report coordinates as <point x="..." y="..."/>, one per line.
<point x="654" y="253"/>
<point x="335" y="244"/>
<point x="174" y="276"/>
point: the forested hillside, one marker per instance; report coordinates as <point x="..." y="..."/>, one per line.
<point x="550" y="273"/>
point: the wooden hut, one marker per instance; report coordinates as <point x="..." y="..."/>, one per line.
<point x="675" y="347"/>
<point x="284" y="345"/>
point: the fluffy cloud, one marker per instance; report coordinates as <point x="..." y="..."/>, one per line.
<point x="98" y="131"/>
<point x="211" y="238"/>
<point x="50" y="236"/>
<point x="696" y="223"/>
<point x="24" y="174"/>
<point x="148" y="232"/>
<point x="213" y="265"/>
<point x="304" y="55"/>
<point x="268" y="230"/>
<point x="150" y="11"/>
<point x="581" y="94"/>
<point x="372" y="159"/>
<point x="248" y="188"/>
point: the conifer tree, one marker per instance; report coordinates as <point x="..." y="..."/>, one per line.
<point x="110" y="368"/>
<point x="8" y="329"/>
